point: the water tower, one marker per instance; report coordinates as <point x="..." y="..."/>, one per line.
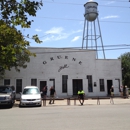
<point x="92" y="31"/>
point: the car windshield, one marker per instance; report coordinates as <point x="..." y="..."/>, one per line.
<point x="5" y="90"/>
<point x="31" y="91"/>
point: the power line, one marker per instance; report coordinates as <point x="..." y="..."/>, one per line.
<point x="117" y="47"/>
<point x="115" y="22"/>
<point x="114" y="45"/>
<point x="60" y="18"/>
<point x="83" y="50"/>
<point x="45" y="35"/>
<point x="38" y="37"/>
<point x="115" y="1"/>
<point x="115" y="6"/>
<point x="79" y="19"/>
<point x="83" y="4"/>
<point x="99" y="0"/>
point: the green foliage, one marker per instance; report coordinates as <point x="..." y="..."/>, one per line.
<point x="13" y="52"/>
<point x="13" y="45"/>
<point x="16" y="13"/>
<point x="125" y="61"/>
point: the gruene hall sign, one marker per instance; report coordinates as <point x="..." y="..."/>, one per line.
<point x="63" y="66"/>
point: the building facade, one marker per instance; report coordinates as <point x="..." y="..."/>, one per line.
<point x="67" y="70"/>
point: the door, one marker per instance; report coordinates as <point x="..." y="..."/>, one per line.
<point x="77" y="84"/>
<point x="109" y="84"/>
<point x="42" y="84"/>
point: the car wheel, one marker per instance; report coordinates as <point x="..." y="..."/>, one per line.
<point x="20" y="106"/>
<point x="11" y="105"/>
<point x="14" y="101"/>
<point x="39" y="105"/>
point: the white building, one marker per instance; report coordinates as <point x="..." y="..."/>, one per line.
<point x="68" y="70"/>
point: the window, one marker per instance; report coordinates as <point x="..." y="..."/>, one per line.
<point x="18" y="85"/>
<point x="53" y="80"/>
<point x="90" y="83"/>
<point x="6" y="81"/>
<point x="101" y="84"/>
<point x="5" y="90"/>
<point x="30" y="91"/>
<point x="34" y="82"/>
<point x="64" y="83"/>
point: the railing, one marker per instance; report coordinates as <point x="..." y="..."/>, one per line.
<point x="69" y="99"/>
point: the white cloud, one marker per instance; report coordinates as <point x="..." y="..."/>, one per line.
<point x="77" y="31"/>
<point x="58" y="33"/>
<point x="55" y="30"/>
<point x="56" y="37"/>
<point x="81" y="22"/>
<point x="111" y="2"/>
<point x="75" y="38"/>
<point x="38" y="30"/>
<point x="111" y="16"/>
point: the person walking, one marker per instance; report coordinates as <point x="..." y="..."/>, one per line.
<point x="81" y="95"/>
<point x="112" y="94"/>
<point x="52" y="95"/>
<point x="44" y="92"/>
<point x="127" y="92"/>
<point x="112" y="91"/>
<point x="121" y="90"/>
<point x="124" y="91"/>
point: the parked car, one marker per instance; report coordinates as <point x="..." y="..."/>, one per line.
<point x="30" y="96"/>
<point x="7" y="95"/>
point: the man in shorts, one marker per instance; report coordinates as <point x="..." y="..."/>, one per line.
<point x="81" y="95"/>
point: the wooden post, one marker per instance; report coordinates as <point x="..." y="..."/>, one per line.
<point x="98" y="101"/>
<point x="74" y="101"/>
<point x="68" y="101"/>
<point x="44" y="102"/>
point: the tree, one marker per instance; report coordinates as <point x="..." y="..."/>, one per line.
<point x="16" y="13"/>
<point x="125" y="61"/>
<point x="13" y="45"/>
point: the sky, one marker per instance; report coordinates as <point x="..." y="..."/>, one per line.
<point x="60" y="24"/>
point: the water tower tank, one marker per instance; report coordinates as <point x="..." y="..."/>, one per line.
<point x="91" y="10"/>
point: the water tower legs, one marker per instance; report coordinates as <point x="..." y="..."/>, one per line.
<point x="101" y="38"/>
<point x="90" y="36"/>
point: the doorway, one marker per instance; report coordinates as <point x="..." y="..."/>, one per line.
<point x="77" y="84"/>
<point x="42" y="84"/>
<point x="109" y="84"/>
